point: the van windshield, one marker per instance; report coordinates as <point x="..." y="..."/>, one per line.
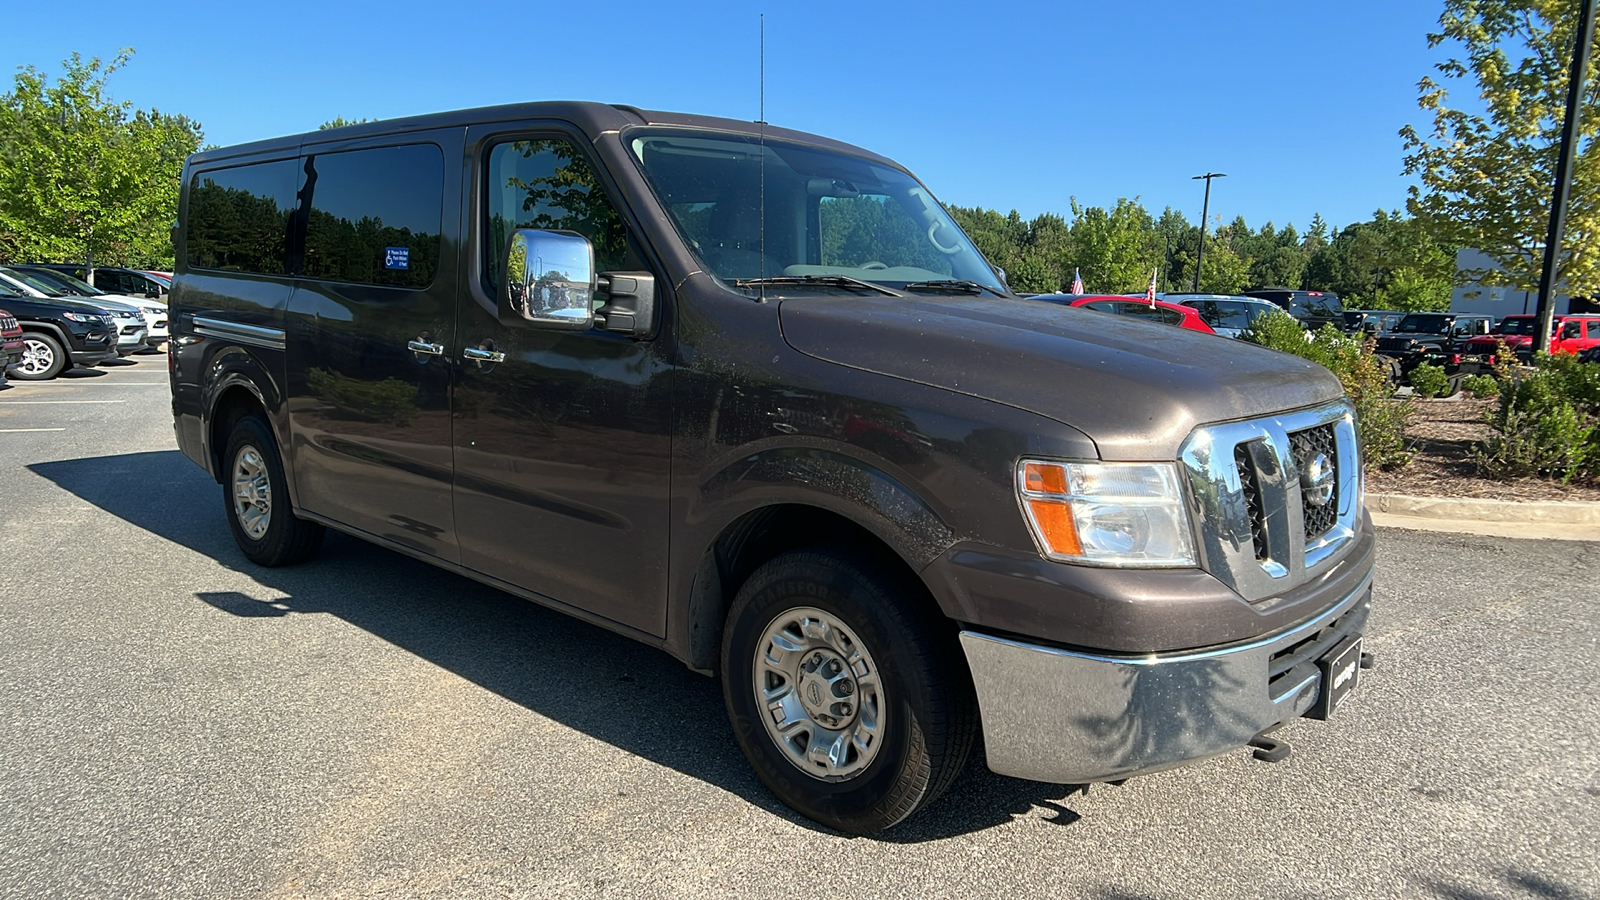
<point x="827" y="214"/>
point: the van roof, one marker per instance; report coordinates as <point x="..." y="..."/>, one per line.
<point x="593" y="119"/>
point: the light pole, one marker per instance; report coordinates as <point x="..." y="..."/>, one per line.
<point x="1205" y="209"/>
<point x="1558" y="203"/>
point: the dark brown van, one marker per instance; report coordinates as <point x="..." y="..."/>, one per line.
<point x="751" y="397"/>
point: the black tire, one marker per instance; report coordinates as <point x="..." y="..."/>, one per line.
<point x="925" y="702"/>
<point x="43" y="358"/>
<point x="1391" y="369"/>
<point x="264" y="526"/>
<point x="1453" y="387"/>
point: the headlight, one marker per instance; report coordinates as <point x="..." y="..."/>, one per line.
<point x="85" y="318"/>
<point x="1107" y="514"/>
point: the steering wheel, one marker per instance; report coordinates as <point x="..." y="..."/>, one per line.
<point x="873" y="265"/>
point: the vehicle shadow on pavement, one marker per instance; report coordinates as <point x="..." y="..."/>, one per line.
<point x="602" y="684"/>
<point x="1523" y="884"/>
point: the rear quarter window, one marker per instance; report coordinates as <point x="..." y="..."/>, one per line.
<point x="238" y="218"/>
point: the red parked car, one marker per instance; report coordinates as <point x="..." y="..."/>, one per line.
<point x="10" y="343"/>
<point x="1572" y="334"/>
<point x="1134" y="307"/>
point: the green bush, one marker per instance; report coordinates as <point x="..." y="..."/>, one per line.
<point x="1428" y="380"/>
<point x="1547" y="423"/>
<point x="1380" y="419"/>
<point x="1481" y="385"/>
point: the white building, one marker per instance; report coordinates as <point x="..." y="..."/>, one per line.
<point x="1499" y="302"/>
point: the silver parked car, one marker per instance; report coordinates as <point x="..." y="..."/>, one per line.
<point x="1227" y="314"/>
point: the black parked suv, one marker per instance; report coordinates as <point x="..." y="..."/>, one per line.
<point x="1431" y="338"/>
<point x="1314" y="309"/>
<point x="58" y="334"/>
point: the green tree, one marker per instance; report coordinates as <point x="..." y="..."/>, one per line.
<point x="83" y="177"/>
<point x="340" y="122"/>
<point x="1115" y="251"/>
<point x="1486" y="177"/>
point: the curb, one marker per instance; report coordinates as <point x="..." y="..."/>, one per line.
<point x="1568" y="520"/>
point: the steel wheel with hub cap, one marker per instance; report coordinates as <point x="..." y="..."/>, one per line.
<point x="257" y="499"/>
<point x="846" y="687"/>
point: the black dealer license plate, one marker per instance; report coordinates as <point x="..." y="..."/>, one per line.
<point x="1341" y="671"/>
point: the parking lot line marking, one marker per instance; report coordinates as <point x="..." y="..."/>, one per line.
<point x="40" y="402"/>
<point x="20" y="430"/>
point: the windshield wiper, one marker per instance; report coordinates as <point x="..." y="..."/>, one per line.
<point x="951" y="286"/>
<point x="817" y="281"/>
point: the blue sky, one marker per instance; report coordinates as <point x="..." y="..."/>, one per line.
<point x="999" y="104"/>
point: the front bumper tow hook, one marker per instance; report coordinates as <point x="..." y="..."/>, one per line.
<point x="1368" y="660"/>
<point x="1270" y="749"/>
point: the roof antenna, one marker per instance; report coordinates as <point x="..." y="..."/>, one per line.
<point x="761" y="131"/>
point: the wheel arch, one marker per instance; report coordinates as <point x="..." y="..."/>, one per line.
<point x="237" y="385"/>
<point x="773" y="502"/>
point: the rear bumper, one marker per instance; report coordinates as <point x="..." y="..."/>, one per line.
<point x="1073" y="717"/>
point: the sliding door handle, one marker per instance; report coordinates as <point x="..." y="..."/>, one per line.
<point x="483" y="356"/>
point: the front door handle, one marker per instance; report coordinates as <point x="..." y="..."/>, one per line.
<point x="425" y="347"/>
<point x="483" y="356"/>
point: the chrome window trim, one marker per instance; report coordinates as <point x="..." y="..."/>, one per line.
<point x="1217" y="503"/>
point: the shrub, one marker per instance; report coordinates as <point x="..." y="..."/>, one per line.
<point x="1481" y="385"/>
<point x="1380" y="419"/>
<point x="1547" y="423"/>
<point x="1428" y="380"/>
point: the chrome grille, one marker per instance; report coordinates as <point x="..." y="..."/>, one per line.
<point x="1308" y="446"/>
<point x="1251" y="489"/>
<point x="1263" y="525"/>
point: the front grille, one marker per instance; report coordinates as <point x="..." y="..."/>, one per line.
<point x="1314" y="646"/>
<point x="1316" y="446"/>
<point x="1276" y="499"/>
<point x="1250" y="485"/>
<point x="7" y="323"/>
<point x="1394" y="345"/>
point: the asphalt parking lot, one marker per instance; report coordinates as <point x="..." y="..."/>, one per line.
<point x="175" y="722"/>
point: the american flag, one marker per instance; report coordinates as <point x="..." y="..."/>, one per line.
<point x="1077" y="282"/>
<point x="1150" y="292"/>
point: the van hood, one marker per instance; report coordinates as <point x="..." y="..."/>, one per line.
<point x="1136" y="389"/>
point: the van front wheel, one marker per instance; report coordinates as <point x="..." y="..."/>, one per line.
<point x="849" y="703"/>
<point x="256" y="496"/>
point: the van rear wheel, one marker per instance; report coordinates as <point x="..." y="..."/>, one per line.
<point x="256" y="497"/>
<point x="852" y="706"/>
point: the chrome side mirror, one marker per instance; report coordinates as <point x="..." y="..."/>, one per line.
<point x="547" y="280"/>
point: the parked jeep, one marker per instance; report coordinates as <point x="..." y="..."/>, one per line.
<point x="58" y="334"/>
<point x="1569" y="334"/>
<point x="1431" y="338"/>
<point x="751" y="397"/>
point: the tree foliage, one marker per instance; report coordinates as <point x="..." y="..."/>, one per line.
<point x="1390" y="262"/>
<point x="1487" y="177"/>
<point x="85" y="178"/>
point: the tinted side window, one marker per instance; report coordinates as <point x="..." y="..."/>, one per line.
<point x="548" y="184"/>
<point x="375" y="215"/>
<point x="238" y="218"/>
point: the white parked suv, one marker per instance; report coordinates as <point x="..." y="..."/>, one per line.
<point x="41" y="282"/>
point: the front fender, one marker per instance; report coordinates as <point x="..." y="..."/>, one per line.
<point x="842" y="483"/>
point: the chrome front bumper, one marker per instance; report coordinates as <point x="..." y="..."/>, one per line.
<point x="1070" y="717"/>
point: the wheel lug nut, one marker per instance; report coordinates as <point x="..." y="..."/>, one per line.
<point x="845" y="688"/>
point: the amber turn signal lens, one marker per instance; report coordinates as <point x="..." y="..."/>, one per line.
<point x="1056" y="526"/>
<point x="1045" y="479"/>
